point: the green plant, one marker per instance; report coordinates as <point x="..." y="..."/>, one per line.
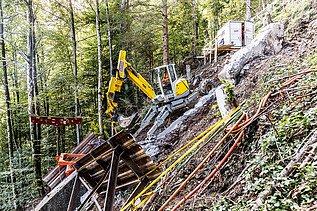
<point x="229" y="91"/>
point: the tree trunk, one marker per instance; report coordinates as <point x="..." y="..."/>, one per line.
<point x="62" y="139"/>
<point x="58" y="140"/>
<point x="109" y="36"/>
<point x="194" y="29"/>
<point x="31" y="109"/>
<point x="15" y="124"/>
<point x="73" y="37"/>
<point x="248" y="8"/>
<point x="8" y="111"/>
<point x="36" y="89"/>
<point x="100" y="81"/>
<point x="165" y="32"/>
<point x="124" y="3"/>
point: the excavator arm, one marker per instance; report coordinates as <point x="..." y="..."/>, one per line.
<point x="124" y="70"/>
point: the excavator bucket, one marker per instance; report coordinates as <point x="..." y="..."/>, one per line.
<point x="127" y="122"/>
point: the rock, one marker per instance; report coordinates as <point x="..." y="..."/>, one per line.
<point x="152" y="146"/>
<point x="269" y="41"/>
<point x="222" y="101"/>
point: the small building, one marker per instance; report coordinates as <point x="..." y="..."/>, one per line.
<point x="236" y="33"/>
<point x="231" y="37"/>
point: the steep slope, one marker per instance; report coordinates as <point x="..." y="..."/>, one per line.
<point x="257" y="175"/>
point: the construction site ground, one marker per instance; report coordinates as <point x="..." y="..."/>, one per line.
<point x="259" y="77"/>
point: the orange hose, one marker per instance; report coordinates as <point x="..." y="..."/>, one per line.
<point x="199" y="166"/>
<point x="293" y="79"/>
<point x="212" y="173"/>
<point x="236" y="128"/>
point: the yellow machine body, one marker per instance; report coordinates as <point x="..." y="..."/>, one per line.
<point x="168" y="86"/>
<point x="181" y="86"/>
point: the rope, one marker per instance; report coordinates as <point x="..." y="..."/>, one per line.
<point x="179" y="167"/>
<point x="201" y="164"/>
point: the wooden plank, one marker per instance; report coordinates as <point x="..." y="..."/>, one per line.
<point x="137" y="190"/>
<point x="81" y="148"/>
<point x="124" y="136"/>
<point x="112" y="181"/>
<point x="133" y="164"/>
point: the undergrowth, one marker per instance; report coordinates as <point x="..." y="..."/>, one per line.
<point x="282" y="132"/>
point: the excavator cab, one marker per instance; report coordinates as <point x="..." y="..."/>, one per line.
<point x="167" y="84"/>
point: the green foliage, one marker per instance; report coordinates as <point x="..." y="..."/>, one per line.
<point x="229" y="90"/>
<point x="312" y="61"/>
<point x="219" y="12"/>
<point x="292" y="124"/>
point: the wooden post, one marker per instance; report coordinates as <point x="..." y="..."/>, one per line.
<point x="216" y="49"/>
<point x="112" y="181"/>
<point x="188" y="75"/>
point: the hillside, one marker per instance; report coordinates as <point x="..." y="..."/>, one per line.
<point x="274" y="166"/>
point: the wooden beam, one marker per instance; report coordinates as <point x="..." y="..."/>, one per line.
<point x="112" y="181"/>
<point x="144" y="181"/>
<point x="93" y="191"/>
<point x="134" y="167"/>
<point x="56" y="120"/>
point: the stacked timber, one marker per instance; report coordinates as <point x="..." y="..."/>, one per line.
<point x="57" y="174"/>
<point x="134" y="163"/>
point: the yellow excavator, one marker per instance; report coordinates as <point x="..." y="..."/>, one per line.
<point x="171" y="93"/>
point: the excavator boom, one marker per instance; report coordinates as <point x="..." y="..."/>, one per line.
<point x="124" y="70"/>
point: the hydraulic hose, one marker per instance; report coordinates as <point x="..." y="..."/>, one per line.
<point x="200" y="165"/>
<point x="212" y="173"/>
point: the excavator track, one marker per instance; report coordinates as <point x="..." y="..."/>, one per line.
<point x="160" y="113"/>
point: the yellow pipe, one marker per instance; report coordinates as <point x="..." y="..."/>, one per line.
<point x="217" y="125"/>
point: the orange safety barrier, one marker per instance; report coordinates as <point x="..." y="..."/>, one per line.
<point x="68" y="159"/>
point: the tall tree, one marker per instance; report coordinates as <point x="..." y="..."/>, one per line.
<point x="165" y="32"/>
<point x="248" y="10"/>
<point x="195" y="28"/>
<point x="100" y="82"/>
<point x="109" y="35"/>
<point x="35" y="84"/>
<point x="31" y="108"/>
<point x="75" y="71"/>
<point x="7" y="102"/>
<point x="16" y="124"/>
